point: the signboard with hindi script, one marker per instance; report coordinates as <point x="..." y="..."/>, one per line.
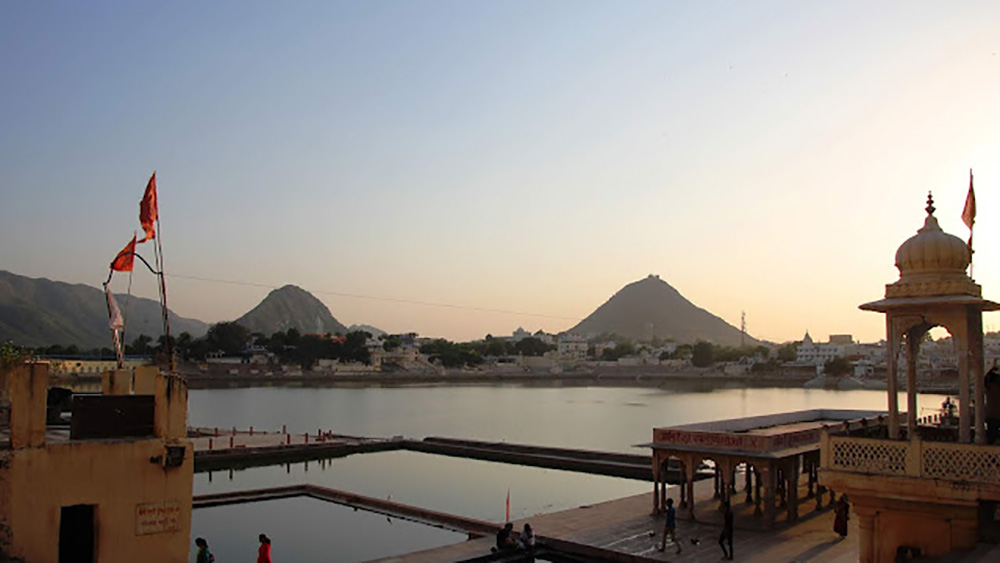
<point x="156" y="518"/>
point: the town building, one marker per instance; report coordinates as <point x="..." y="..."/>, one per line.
<point x="112" y="485"/>
<point x="572" y="347"/>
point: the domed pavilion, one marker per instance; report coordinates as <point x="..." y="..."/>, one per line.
<point x="923" y="485"/>
<point x="934" y="290"/>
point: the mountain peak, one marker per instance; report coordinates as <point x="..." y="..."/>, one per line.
<point x="650" y="308"/>
<point x="287" y="307"/>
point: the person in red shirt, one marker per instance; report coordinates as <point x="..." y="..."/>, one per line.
<point x="264" y="551"/>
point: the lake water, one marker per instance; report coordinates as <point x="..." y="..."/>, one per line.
<point x="602" y="418"/>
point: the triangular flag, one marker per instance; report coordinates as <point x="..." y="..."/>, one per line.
<point x="149" y="210"/>
<point x="125" y="259"/>
<point x="116" y="321"/>
<point x="969" y="212"/>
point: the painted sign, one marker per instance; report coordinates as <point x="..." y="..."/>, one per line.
<point x="157" y="518"/>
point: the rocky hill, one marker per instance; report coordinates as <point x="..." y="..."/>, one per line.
<point x="651" y="307"/>
<point x="291" y="307"/>
<point x="42" y="312"/>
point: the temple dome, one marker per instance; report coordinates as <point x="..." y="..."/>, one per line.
<point x="932" y="262"/>
<point x="931" y="251"/>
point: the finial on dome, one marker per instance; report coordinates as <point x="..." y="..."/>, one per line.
<point x="930" y="203"/>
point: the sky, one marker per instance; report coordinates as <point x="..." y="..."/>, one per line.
<point x="461" y="168"/>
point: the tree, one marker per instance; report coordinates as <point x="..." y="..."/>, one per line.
<point x="229" y="337"/>
<point x="532" y="346"/>
<point x="140" y="346"/>
<point x="702" y="354"/>
<point x="788" y="352"/>
<point x="837" y="366"/>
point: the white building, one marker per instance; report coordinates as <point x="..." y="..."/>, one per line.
<point x="819" y="353"/>
<point x="572" y="346"/>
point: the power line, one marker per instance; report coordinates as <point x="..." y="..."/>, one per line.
<point x="380" y="298"/>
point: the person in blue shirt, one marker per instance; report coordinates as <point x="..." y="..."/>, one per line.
<point x="670" y="527"/>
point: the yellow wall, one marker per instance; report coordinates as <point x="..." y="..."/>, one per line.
<point x="39" y="476"/>
<point x="116" y="476"/>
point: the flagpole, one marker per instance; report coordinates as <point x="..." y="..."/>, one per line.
<point x="163" y="295"/>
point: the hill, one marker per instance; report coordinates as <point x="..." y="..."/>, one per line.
<point x="42" y="312"/>
<point x="291" y="307"/>
<point x="651" y="307"/>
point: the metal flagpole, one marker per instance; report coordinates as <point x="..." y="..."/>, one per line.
<point x="163" y="292"/>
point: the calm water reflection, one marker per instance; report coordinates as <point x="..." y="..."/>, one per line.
<point x="306" y="530"/>
<point x="605" y="418"/>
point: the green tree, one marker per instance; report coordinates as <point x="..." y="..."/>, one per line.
<point x="702" y="354"/>
<point x="140" y="346"/>
<point x="229" y="337"/>
<point x="788" y="352"/>
<point x="11" y="355"/>
<point x="532" y="346"/>
<point x="837" y="366"/>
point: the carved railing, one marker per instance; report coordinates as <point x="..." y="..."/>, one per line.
<point x="971" y="463"/>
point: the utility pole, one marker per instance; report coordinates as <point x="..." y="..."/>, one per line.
<point x="743" y="328"/>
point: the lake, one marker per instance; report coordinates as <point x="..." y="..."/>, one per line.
<point x="602" y="418"/>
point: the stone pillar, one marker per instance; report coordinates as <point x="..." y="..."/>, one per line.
<point x="683" y="484"/>
<point x="913" y="337"/>
<point x="656" y="482"/>
<point x="891" y="364"/>
<point x="715" y="477"/>
<point x="756" y="496"/>
<point x="770" y="474"/>
<point x="748" y="483"/>
<point x="793" y="489"/>
<point x="961" y="339"/>
<point x="116" y="382"/>
<point x="781" y="490"/>
<point x="663" y="485"/>
<point x="145" y="380"/>
<point x="28" y="387"/>
<point x="866" y="534"/>
<point x="690" y="486"/>
<point x="974" y="318"/>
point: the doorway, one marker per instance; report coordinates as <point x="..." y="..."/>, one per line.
<point x="76" y="534"/>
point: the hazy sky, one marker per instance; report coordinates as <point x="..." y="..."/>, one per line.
<point x="521" y="156"/>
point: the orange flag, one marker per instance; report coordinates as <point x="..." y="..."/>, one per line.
<point x="125" y="259"/>
<point x="148" y="209"/>
<point x="507" y="517"/>
<point x="969" y="213"/>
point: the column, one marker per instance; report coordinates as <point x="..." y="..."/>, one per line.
<point x="717" y="493"/>
<point x="690" y="485"/>
<point x="793" y="489"/>
<point x="891" y="355"/>
<point x="770" y="474"/>
<point x="866" y="534"/>
<point x="664" y="472"/>
<point x="656" y="483"/>
<point x="962" y="348"/>
<point x="748" y="483"/>
<point x="913" y="337"/>
<point x="683" y="486"/>
<point x="975" y="352"/>
<point x="756" y="496"/>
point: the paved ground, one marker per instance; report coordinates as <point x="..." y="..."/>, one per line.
<point x="625" y="525"/>
<point x="227" y="438"/>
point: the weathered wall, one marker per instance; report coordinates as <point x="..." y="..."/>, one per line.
<point x="117" y="477"/>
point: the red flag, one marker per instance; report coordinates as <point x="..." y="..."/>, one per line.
<point x="507" y="518"/>
<point x="148" y="209"/>
<point x="124" y="260"/>
<point x="969" y="213"/>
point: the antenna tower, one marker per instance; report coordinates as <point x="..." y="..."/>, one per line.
<point x="743" y="328"/>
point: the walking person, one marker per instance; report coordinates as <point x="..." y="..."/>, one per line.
<point x="670" y="527"/>
<point x="841" y="514"/>
<point x="726" y="537"/>
<point x="204" y="555"/>
<point x="264" y="551"/>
